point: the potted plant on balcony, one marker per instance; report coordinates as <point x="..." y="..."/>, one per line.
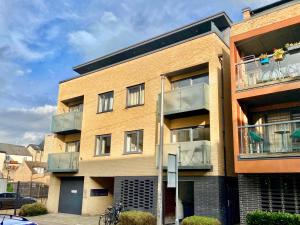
<point x="264" y="59"/>
<point x="278" y="54"/>
<point x="292" y="46"/>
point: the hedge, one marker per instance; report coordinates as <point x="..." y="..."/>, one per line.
<point x="136" y="218"/>
<point x="200" y="220"/>
<point x="272" y="218"/>
<point x="34" y="209"/>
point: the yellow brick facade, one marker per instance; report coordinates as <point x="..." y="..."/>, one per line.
<point x="268" y="18"/>
<point x="148" y="70"/>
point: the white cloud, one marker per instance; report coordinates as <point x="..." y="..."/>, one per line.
<point x="25" y="125"/>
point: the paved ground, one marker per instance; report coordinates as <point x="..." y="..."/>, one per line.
<point x="64" y="219"/>
<point x="60" y="219"/>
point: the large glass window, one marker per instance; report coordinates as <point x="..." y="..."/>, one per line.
<point x="76" y="107"/>
<point x="103" y="144"/>
<point x="106" y="101"/>
<point x="189" y="81"/>
<point x="190" y="134"/>
<point x="135" y="95"/>
<point x="134" y="141"/>
<point x="72" y="146"/>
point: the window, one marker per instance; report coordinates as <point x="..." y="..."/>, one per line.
<point x="39" y="170"/>
<point x="76" y="107"/>
<point x="72" y="146"/>
<point x="106" y="101"/>
<point x="135" y="95"/>
<point x="190" y="81"/>
<point x="134" y="141"/>
<point x="190" y="134"/>
<point x="103" y="145"/>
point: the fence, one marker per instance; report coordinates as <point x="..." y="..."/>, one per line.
<point x="35" y="190"/>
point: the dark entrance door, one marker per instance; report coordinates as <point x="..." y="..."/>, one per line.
<point x="70" y="198"/>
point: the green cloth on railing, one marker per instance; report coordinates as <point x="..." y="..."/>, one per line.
<point x="255" y="137"/>
<point x="296" y="134"/>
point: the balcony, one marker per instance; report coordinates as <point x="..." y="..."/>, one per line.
<point x="270" y="140"/>
<point x="187" y="99"/>
<point x="252" y="74"/>
<point x="63" y="162"/>
<point x="192" y="155"/>
<point x="67" y="123"/>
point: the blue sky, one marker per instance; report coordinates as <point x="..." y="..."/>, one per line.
<point x="41" y="40"/>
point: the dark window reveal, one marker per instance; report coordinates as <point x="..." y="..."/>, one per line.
<point x="99" y="192"/>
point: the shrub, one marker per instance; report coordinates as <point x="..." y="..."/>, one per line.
<point x="34" y="209"/>
<point x="272" y="218"/>
<point x="200" y="220"/>
<point x="137" y="218"/>
<point x="9" y="187"/>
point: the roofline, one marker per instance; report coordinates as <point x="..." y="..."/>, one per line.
<point x="142" y="55"/>
<point x="222" y="13"/>
<point x="270" y="6"/>
<point x="267" y="11"/>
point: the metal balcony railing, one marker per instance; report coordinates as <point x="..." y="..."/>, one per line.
<point x="192" y="155"/>
<point x="251" y="73"/>
<point x="186" y="99"/>
<point x="66" y="122"/>
<point x="63" y="162"/>
<point x="270" y="138"/>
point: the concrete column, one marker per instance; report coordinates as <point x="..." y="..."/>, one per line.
<point x="53" y="194"/>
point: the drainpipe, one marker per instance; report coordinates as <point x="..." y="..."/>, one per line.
<point x="223" y="132"/>
<point x="160" y="157"/>
<point x="223" y="112"/>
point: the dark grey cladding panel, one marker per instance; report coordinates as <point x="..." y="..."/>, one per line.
<point x="136" y="193"/>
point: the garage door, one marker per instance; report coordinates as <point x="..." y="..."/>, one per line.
<point x="70" y="198"/>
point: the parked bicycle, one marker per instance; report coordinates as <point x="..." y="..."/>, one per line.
<point x="111" y="215"/>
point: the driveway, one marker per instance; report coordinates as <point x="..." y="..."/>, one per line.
<point x="64" y="219"/>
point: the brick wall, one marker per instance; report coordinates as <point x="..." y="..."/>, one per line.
<point x="249" y="194"/>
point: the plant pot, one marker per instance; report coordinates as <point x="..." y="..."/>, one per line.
<point x="278" y="58"/>
<point x="264" y="61"/>
<point x="293" y="48"/>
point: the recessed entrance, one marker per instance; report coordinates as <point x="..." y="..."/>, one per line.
<point x="186" y="201"/>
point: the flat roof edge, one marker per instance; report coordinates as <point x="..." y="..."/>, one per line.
<point x="222" y="13"/>
<point x="139" y="56"/>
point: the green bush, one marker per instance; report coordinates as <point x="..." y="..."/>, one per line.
<point x="272" y="218"/>
<point x="34" y="209"/>
<point x="9" y="187"/>
<point x="136" y="218"/>
<point x="200" y="220"/>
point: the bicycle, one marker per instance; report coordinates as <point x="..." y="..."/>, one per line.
<point x="111" y="215"/>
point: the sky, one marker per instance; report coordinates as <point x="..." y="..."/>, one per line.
<point x="41" y="40"/>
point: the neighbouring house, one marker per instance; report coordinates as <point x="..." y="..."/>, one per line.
<point x="106" y="131"/>
<point x="37" y="152"/>
<point x="32" y="171"/>
<point x="11" y="156"/>
<point x="265" y="70"/>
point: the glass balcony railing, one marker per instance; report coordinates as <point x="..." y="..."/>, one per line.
<point x="252" y="73"/>
<point x="186" y="99"/>
<point x="192" y="155"/>
<point x="63" y="162"/>
<point x="66" y="122"/>
<point x="270" y="139"/>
